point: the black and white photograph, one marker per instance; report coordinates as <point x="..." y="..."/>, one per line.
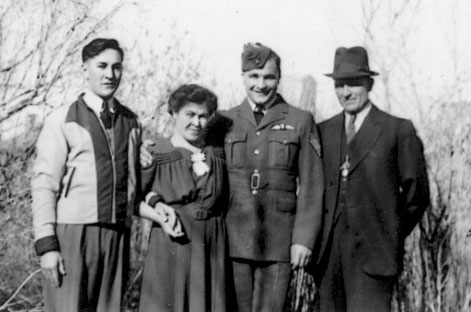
<point x="235" y="156"/>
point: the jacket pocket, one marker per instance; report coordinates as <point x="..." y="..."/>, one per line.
<point x="282" y="149"/>
<point x="235" y="148"/>
<point x="69" y="181"/>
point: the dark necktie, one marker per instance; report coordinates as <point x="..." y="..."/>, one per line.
<point x="351" y="127"/>
<point x="258" y="113"/>
<point x="106" y="115"/>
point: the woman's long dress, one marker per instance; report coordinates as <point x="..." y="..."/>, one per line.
<point x="187" y="274"/>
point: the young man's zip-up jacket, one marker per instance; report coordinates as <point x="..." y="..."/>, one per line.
<point x="84" y="173"/>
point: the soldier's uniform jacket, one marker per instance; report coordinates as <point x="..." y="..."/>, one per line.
<point x="275" y="180"/>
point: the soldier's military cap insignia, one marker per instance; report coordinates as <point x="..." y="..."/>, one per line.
<point x="316" y="145"/>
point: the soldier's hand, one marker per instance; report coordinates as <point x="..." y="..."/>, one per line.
<point x="52" y="265"/>
<point x="144" y="155"/>
<point x="300" y="256"/>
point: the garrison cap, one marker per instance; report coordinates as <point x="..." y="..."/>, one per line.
<point x="254" y="56"/>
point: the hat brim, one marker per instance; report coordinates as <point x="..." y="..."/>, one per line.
<point x="351" y="75"/>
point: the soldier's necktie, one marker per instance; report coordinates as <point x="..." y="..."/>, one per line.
<point x="351" y="127"/>
<point x="106" y="115"/>
<point x="258" y="113"/>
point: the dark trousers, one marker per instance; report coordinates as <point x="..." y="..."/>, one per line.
<point x="345" y="286"/>
<point x="96" y="263"/>
<point x="260" y="286"/>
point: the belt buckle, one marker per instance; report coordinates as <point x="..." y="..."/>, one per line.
<point x="255" y="181"/>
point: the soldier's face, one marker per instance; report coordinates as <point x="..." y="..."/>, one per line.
<point x="190" y="121"/>
<point x="261" y="84"/>
<point x="353" y="93"/>
<point x="103" y="73"/>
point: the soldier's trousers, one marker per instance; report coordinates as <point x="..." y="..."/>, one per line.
<point x="260" y="286"/>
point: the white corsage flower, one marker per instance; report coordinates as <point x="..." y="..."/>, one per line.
<point x="199" y="166"/>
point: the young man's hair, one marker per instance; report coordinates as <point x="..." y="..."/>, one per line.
<point x="96" y="46"/>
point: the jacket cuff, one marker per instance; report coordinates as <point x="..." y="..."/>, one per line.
<point x="152" y="199"/>
<point x="46" y="244"/>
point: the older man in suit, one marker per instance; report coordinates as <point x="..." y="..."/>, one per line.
<point x="376" y="192"/>
<point x="276" y="184"/>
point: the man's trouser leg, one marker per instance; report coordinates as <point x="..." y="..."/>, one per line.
<point x="96" y="262"/>
<point x="345" y="286"/>
<point x="261" y="286"/>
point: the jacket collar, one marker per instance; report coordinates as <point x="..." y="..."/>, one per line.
<point x="361" y="144"/>
<point x="365" y="138"/>
<point x="277" y="111"/>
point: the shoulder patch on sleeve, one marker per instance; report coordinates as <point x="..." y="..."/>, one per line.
<point x="316" y="145"/>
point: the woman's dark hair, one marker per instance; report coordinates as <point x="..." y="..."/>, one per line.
<point x="96" y="46"/>
<point x="192" y="93"/>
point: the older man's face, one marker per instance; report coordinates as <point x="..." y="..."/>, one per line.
<point x="353" y="93"/>
<point x="261" y="84"/>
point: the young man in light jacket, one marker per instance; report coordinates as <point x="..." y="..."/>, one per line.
<point x="84" y="190"/>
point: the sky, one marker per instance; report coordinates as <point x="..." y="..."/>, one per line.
<point x="305" y="33"/>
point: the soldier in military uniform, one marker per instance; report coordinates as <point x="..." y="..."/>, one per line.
<point x="276" y="185"/>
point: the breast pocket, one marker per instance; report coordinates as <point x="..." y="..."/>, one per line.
<point x="282" y="149"/>
<point x="235" y="148"/>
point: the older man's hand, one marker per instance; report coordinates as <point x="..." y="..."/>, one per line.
<point x="300" y="256"/>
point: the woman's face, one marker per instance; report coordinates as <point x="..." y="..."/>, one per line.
<point x="191" y="120"/>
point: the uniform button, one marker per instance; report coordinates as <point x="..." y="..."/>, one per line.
<point x="257" y="133"/>
<point x="285" y="141"/>
<point x="256" y="152"/>
<point x="254" y="192"/>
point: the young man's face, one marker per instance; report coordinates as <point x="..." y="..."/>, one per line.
<point x="353" y="93"/>
<point x="261" y="84"/>
<point x="103" y="73"/>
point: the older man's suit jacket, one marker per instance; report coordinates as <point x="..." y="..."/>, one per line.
<point x="276" y="182"/>
<point x="387" y="190"/>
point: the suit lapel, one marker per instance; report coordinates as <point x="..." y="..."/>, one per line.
<point x="368" y="134"/>
<point x="334" y="135"/>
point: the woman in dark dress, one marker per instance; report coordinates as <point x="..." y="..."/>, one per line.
<point x="185" y="268"/>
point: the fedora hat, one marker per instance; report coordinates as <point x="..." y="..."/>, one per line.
<point x="351" y="63"/>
